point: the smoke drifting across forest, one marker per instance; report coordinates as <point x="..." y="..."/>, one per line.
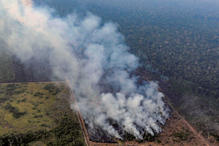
<point x="94" y="58"/>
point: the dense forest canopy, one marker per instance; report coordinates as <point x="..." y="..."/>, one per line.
<point x="179" y="38"/>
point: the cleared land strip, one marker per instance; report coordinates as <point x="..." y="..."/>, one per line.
<point x="194" y="131"/>
<point x="83" y="127"/>
<point x="200" y="137"/>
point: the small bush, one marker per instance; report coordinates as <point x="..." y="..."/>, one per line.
<point x="4" y="99"/>
<point x="11" y="86"/>
<point x="22" y="139"/>
<point x="183" y="136"/>
<point x="44" y="125"/>
<point x="52" y="89"/>
<point x="38" y="94"/>
<point x="37" y="116"/>
<point x="15" y="112"/>
<point x="19" y="91"/>
<point x="22" y="100"/>
<point x="10" y="89"/>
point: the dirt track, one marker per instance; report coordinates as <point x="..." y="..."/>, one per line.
<point x="195" y="132"/>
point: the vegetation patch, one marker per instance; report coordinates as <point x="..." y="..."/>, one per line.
<point x="52" y="89"/>
<point x="21" y="139"/>
<point x="182" y="135"/>
<point x="15" y="111"/>
<point x="28" y="118"/>
<point x="39" y="94"/>
<point x="10" y="89"/>
<point x="3" y="99"/>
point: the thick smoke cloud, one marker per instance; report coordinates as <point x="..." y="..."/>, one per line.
<point x="94" y="59"/>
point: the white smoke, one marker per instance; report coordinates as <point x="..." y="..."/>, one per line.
<point x="94" y="58"/>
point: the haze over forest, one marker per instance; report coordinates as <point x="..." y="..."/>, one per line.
<point x="160" y="52"/>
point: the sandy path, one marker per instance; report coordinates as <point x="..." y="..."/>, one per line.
<point x="200" y="137"/>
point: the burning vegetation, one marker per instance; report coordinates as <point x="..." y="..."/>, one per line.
<point x="90" y="55"/>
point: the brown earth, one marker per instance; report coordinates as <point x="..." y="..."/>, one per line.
<point x="176" y="132"/>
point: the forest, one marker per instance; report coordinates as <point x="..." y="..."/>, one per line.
<point x="178" y="45"/>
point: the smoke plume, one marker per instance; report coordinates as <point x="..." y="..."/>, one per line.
<point x="92" y="56"/>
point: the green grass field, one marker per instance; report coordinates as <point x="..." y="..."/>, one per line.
<point x="38" y="114"/>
